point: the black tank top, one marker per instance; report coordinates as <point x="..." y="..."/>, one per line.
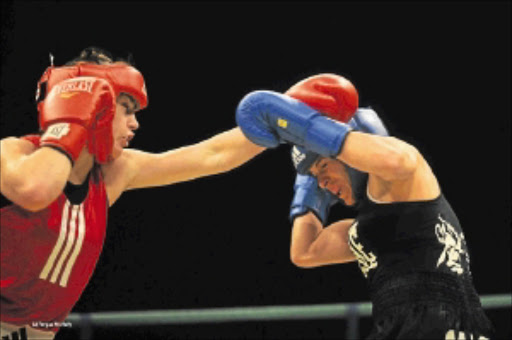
<point x="394" y="238"/>
<point x="412" y="253"/>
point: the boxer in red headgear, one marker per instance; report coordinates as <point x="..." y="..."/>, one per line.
<point x="62" y="182"/>
<point x="77" y="81"/>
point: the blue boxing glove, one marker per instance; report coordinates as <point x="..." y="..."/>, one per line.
<point x="367" y="120"/>
<point x="269" y="118"/>
<point x="310" y="197"/>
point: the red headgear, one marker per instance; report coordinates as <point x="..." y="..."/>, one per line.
<point x="330" y="94"/>
<point x="122" y="77"/>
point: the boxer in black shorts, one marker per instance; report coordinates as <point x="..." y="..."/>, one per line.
<point x="406" y="238"/>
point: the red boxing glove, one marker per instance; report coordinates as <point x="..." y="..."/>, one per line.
<point x="101" y="140"/>
<point x="330" y="94"/>
<point x="73" y="110"/>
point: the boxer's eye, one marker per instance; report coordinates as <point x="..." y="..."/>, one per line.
<point x="322" y="166"/>
<point x="129" y="110"/>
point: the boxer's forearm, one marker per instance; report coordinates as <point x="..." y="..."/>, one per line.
<point x="386" y="157"/>
<point x="229" y="150"/>
<point x="314" y="246"/>
<point x="32" y="178"/>
<point x="221" y="153"/>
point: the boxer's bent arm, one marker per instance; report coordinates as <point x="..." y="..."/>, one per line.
<point x="218" y="154"/>
<point x="31" y="177"/>
<point x="386" y="157"/>
<point x="313" y="246"/>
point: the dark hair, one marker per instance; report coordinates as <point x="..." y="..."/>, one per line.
<point x="99" y="56"/>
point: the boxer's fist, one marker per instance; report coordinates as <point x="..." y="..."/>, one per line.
<point x="367" y="120"/>
<point x="269" y="118"/>
<point x="310" y="197"/>
<point x="71" y="111"/>
<point x="330" y="94"/>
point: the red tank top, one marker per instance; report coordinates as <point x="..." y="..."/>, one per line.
<point x="47" y="257"/>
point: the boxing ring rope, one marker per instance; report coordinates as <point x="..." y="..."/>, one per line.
<point x="350" y="311"/>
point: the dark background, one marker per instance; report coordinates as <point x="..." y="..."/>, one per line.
<point x="438" y="74"/>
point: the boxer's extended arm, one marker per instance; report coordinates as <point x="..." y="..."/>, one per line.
<point x="138" y="169"/>
<point x="31" y="177"/>
<point x="313" y="246"/>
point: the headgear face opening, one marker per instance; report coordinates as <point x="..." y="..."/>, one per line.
<point x="364" y="120"/>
